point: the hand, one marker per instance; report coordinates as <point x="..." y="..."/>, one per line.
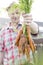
<point x="27" y="18"/>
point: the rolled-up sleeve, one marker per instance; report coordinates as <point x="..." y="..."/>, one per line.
<point x="1" y="42"/>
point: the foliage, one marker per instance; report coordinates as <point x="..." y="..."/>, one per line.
<point x="24" y="30"/>
<point x="25" y="5"/>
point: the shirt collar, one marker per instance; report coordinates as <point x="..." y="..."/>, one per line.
<point x="10" y="27"/>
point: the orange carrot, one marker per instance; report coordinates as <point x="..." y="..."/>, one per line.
<point x="30" y="39"/>
<point x="18" y="37"/>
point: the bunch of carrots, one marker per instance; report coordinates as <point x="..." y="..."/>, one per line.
<point x="26" y="31"/>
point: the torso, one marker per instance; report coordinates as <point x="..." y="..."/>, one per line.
<point x="9" y="45"/>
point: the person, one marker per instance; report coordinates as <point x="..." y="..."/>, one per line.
<point x="8" y="37"/>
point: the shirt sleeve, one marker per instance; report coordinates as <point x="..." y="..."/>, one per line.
<point x="1" y="42"/>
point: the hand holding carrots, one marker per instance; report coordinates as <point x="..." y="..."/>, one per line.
<point x="30" y="41"/>
<point x="27" y="18"/>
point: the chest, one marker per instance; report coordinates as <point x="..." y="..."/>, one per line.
<point x="9" y="38"/>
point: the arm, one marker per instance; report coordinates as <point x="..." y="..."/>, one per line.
<point x="1" y="49"/>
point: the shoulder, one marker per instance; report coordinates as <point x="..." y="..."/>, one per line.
<point x="6" y="31"/>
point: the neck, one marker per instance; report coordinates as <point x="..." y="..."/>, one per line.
<point x="14" y="24"/>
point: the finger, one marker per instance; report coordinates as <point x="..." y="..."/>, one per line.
<point x="27" y="15"/>
<point x="28" y="18"/>
<point x="28" y="23"/>
<point x="23" y="13"/>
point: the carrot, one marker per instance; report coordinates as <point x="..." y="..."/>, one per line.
<point x="30" y="39"/>
<point x="32" y="45"/>
<point x="27" y="53"/>
<point x="18" y="37"/>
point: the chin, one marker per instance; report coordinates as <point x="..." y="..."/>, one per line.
<point x="17" y="22"/>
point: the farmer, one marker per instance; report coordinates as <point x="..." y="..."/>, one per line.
<point x="8" y="36"/>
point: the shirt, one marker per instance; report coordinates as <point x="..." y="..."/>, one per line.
<point x="7" y="44"/>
